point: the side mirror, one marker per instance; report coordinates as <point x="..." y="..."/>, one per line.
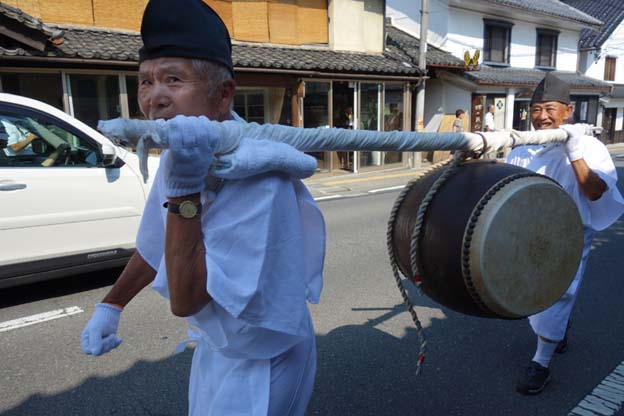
<point x="110" y="158"/>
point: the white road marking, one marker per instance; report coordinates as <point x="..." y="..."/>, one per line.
<point x="392" y="188"/>
<point x="606" y="399"/>
<point x="41" y="317"/>
<point x="325" y="198"/>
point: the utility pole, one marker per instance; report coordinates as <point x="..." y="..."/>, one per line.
<point x="422" y="64"/>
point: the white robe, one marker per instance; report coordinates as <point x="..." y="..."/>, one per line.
<point x="265" y="245"/>
<point x="552" y="161"/>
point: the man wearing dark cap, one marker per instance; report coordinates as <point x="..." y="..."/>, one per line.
<point x="583" y="167"/>
<point x="240" y="261"/>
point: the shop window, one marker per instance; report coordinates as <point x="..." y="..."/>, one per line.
<point x="250" y="106"/>
<point x="316" y="112"/>
<point x="609" y="72"/>
<point x="496" y="41"/>
<point x="132" y="88"/>
<point x="546" y="48"/>
<point x="95" y="97"/>
<point x="585" y="109"/>
<point x="521" y="118"/>
<point x="316" y="105"/>
<point x="43" y="87"/>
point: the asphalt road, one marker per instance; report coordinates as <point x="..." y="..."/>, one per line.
<point x="367" y="344"/>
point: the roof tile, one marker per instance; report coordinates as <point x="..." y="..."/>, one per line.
<point x="610" y="12"/>
<point x="553" y="8"/>
<point x="531" y="77"/>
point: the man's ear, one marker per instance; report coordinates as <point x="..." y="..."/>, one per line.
<point x="569" y="111"/>
<point x="226" y="96"/>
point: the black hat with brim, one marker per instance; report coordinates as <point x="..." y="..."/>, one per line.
<point x="552" y="88"/>
<point x="184" y="29"/>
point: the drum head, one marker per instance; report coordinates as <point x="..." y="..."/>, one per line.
<point x="523" y="248"/>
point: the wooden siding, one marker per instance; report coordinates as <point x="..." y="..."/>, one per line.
<point x="290" y="22"/>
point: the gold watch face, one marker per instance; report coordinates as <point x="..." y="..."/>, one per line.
<point x="188" y="209"/>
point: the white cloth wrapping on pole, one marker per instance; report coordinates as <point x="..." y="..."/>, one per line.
<point x="143" y="135"/>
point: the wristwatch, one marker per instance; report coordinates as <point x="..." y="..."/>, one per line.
<point x="185" y="209"/>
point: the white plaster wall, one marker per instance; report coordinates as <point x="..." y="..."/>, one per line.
<point x="465" y="33"/>
<point x="356" y="25"/>
<point x="455" y="98"/>
<point x="595" y="69"/>
<point x="619" y="119"/>
<point x="444" y="97"/>
<point x="567" y="50"/>
<point x="434" y="99"/>
<point x="613" y="47"/>
<point x="458" y="30"/>
<point x="405" y="15"/>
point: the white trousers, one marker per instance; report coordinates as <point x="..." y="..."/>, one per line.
<point x="280" y="386"/>
<point x="551" y="323"/>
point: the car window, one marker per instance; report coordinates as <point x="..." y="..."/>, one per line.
<point x="32" y="140"/>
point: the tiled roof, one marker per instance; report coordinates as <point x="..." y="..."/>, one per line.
<point x="404" y="45"/>
<point x="115" y="45"/>
<point x="610" y="12"/>
<point x="322" y="60"/>
<point x="553" y="8"/>
<point x="90" y="43"/>
<point x="531" y="77"/>
<point x="27" y="20"/>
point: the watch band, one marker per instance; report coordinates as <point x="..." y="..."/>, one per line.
<point x="185" y="209"/>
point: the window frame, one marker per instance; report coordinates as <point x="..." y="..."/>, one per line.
<point x="488" y="24"/>
<point x="610" y="68"/>
<point x="40" y="115"/>
<point x="554" y="34"/>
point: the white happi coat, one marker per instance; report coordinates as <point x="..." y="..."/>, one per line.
<point x="265" y="245"/>
<point x="552" y="161"/>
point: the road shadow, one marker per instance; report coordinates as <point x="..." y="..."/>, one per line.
<point x="48" y="289"/>
<point x="158" y="388"/>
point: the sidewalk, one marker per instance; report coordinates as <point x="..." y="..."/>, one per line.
<point x="358" y="184"/>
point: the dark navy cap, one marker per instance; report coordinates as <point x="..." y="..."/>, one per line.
<point x="184" y="29"/>
<point x="552" y="88"/>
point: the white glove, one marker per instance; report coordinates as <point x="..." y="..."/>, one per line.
<point x="574" y="145"/>
<point x="192" y="143"/>
<point x="99" y="335"/>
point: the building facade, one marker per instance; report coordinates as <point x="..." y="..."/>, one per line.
<point x="507" y="47"/>
<point x="305" y="63"/>
<point x="601" y="55"/>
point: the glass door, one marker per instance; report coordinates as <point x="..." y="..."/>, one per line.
<point x="343" y="97"/>
<point x="370" y="98"/>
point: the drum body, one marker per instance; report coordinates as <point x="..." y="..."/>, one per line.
<point x="497" y="240"/>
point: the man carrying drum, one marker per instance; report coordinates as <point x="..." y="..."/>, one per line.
<point x="239" y="261"/>
<point x="583" y="167"/>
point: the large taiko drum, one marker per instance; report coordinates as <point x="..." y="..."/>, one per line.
<point x="496" y="240"/>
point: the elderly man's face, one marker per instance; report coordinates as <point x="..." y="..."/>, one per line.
<point x="170" y="86"/>
<point x="549" y="114"/>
